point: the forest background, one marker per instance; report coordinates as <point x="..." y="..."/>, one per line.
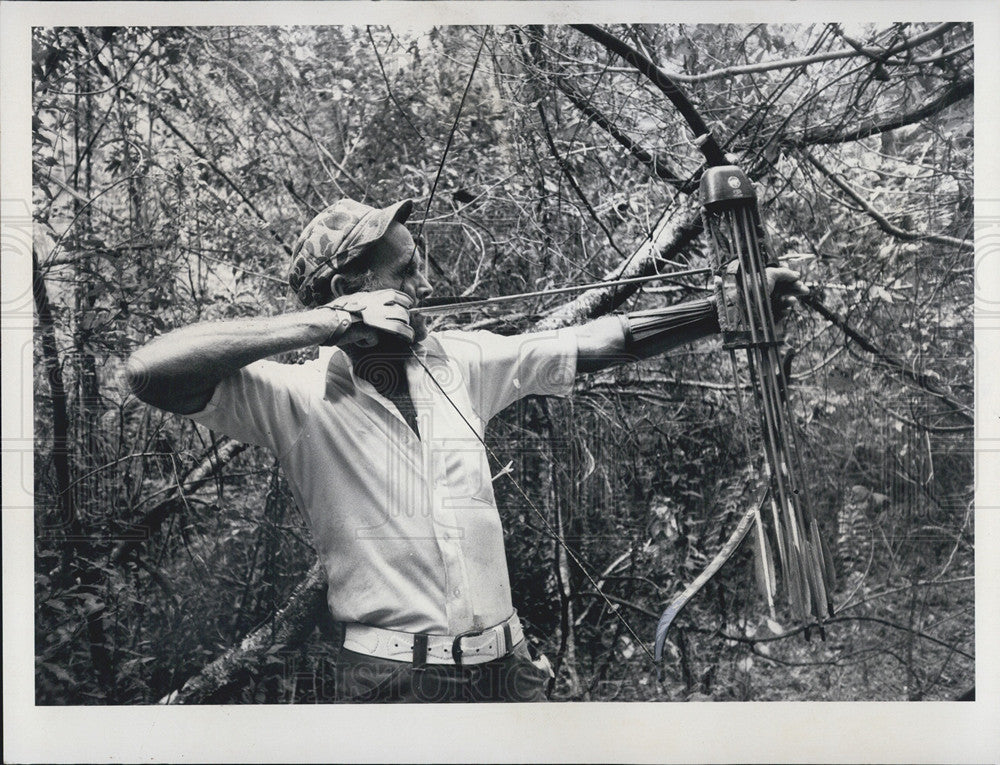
<point x="173" y="169"/>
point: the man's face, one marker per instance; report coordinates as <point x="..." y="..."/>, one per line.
<point x="398" y="265"/>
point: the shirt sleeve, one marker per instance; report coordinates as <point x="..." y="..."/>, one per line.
<point x="265" y="403"/>
<point x="500" y="370"/>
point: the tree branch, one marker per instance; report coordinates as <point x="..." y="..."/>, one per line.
<point x="895" y="363"/>
<point x="954" y="93"/>
<point x="703" y="137"/>
<point x="657" y="166"/>
<point x="674" y="233"/>
<point x="155" y="516"/>
<point x="57" y="390"/>
<point x="289" y="627"/>
<point x="790" y="63"/>
<point x="838" y="620"/>
<point x="881" y="221"/>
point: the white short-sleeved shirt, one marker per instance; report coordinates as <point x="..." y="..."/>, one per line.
<point x="407" y="527"/>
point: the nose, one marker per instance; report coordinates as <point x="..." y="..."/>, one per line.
<point x="424" y="288"/>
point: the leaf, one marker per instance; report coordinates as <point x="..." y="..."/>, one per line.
<point x="58" y="671"/>
<point x="879" y="293"/>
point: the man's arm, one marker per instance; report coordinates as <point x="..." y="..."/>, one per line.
<point x="605" y="342"/>
<point x="178" y="372"/>
<point x="602" y="343"/>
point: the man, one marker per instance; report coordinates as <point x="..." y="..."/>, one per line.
<point x="380" y="439"/>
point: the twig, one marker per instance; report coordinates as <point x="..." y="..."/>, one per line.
<point x="882" y="222"/>
<point x="841" y="619"/>
<point x="388" y="87"/>
<point x="895" y="363"/>
<point x="789" y="63"/>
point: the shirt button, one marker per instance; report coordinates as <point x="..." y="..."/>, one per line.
<point x="457" y="593"/>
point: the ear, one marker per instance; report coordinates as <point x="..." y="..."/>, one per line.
<point x="338" y="285"/>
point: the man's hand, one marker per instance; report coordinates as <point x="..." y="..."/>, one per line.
<point x="370" y="313"/>
<point x="782" y="285"/>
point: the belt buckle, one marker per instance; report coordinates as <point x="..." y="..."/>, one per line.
<point x="456" y="644"/>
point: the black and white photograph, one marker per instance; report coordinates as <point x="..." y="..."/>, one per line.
<point x="402" y="363"/>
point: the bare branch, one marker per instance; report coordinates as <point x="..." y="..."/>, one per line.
<point x="790" y="63"/>
<point x="877" y="124"/>
<point x="895" y="364"/>
<point x="880" y="219"/>
<point x="657" y="166"/>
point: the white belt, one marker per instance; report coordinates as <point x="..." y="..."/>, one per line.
<point x="473" y="647"/>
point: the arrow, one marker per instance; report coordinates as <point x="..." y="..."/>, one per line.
<point x="462" y="304"/>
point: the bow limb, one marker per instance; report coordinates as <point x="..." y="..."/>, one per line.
<point x="724" y="554"/>
<point x="703" y="137"/>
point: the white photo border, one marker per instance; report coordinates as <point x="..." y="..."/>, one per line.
<point x="596" y="732"/>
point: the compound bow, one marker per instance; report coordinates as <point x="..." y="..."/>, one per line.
<point x="731" y="218"/>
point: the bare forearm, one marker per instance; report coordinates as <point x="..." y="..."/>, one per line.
<point x="179" y="371"/>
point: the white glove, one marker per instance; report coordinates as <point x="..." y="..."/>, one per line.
<point x="383" y="311"/>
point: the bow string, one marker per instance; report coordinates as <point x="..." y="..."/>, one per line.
<point x="502" y="469"/>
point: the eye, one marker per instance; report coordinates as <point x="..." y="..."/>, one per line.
<point x="413" y="264"/>
<point x="410" y="268"/>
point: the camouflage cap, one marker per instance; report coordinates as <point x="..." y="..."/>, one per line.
<point x="333" y="240"/>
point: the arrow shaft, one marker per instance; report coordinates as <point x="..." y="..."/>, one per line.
<point x="462" y="305"/>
